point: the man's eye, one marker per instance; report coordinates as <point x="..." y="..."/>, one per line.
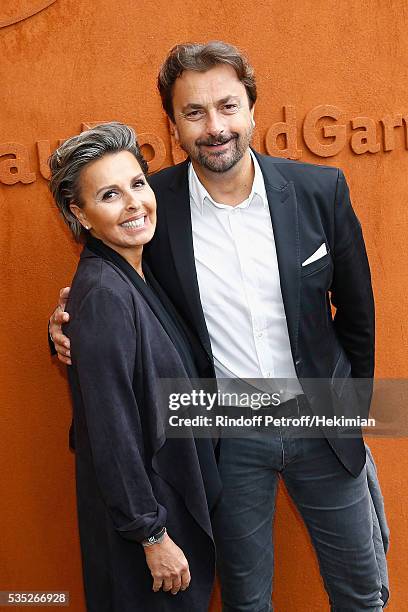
<point x="230" y="108"/>
<point x="194" y="114"/>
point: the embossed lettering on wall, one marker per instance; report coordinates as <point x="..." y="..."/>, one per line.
<point x="324" y="131"/>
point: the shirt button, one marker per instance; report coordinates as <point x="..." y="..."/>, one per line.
<point x="259" y="334"/>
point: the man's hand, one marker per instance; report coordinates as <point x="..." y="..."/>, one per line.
<point x="58" y="317"/>
<point x="168" y="566"/>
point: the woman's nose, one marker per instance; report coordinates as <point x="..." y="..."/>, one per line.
<point x="133" y="201"/>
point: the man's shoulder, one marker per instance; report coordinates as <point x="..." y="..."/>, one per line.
<point x="165" y="177"/>
<point x="297" y="170"/>
<point x="309" y="180"/>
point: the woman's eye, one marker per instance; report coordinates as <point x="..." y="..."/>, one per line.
<point x="109" y="195"/>
<point x="139" y="183"/>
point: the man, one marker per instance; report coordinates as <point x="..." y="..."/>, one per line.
<point x="254" y="251"/>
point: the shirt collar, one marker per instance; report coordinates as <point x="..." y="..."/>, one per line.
<point x="199" y="195"/>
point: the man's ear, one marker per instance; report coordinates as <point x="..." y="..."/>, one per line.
<point x="175" y="131"/>
<point x="80" y="215"/>
<point x="252" y="111"/>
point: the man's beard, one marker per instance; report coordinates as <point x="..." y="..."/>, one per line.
<point x="221" y="161"/>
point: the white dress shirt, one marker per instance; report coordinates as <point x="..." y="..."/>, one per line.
<point x="238" y="278"/>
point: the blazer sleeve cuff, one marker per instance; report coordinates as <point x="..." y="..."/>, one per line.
<point x="144" y="526"/>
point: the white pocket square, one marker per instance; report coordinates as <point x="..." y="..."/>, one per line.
<point x="321" y="251"/>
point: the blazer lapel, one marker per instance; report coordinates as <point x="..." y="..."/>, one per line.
<point x="181" y="241"/>
<point x="284" y="215"/>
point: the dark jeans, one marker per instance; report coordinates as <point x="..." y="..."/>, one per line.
<point x="333" y="504"/>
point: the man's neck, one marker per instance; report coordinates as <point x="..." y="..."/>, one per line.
<point x="231" y="187"/>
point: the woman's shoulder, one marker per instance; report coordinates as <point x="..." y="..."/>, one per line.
<point x="95" y="276"/>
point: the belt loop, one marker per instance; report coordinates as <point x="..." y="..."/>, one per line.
<point x="303" y="405"/>
<point x="297" y="405"/>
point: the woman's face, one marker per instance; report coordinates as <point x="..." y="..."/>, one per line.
<point x="118" y="206"/>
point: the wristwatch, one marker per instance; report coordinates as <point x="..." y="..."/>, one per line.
<point x="156" y="538"/>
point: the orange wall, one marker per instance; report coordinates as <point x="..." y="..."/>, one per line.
<point x="86" y="61"/>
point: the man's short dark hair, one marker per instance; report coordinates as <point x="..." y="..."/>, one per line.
<point x="201" y="57"/>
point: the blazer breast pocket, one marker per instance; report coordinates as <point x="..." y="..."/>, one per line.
<point x="316" y="265"/>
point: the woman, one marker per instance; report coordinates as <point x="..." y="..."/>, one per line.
<point x="142" y="499"/>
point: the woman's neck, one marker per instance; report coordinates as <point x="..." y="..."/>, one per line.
<point x="133" y="255"/>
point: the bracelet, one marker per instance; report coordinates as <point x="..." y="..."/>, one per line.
<point x="157" y="538"/>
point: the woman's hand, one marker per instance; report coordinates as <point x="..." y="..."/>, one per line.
<point x="168" y="566"/>
<point x="58" y="317"/>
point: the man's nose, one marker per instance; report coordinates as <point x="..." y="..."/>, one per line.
<point x="215" y="123"/>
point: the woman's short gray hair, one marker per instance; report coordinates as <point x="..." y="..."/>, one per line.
<point x="68" y="161"/>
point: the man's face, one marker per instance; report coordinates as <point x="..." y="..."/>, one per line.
<point x="212" y="119"/>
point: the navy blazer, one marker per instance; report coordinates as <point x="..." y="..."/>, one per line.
<point x="131" y="478"/>
<point x="309" y="205"/>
